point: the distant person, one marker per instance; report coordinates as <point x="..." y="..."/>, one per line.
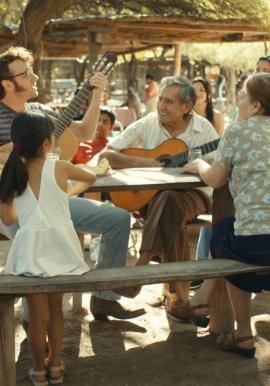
<point x="88" y="149"/>
<point x="263" y="64"/>
<point x="133" y="102"/>
<point x="33" y="190"/>
<point x="233" y="115"/>
<point x="204" y="105"/>
<point x="150" y="94"/>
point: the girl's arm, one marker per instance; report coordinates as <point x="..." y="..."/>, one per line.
<point x="67" y="171"/>
<point x="7" y="213"/>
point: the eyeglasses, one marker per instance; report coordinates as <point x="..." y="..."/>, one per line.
<point x="27" y="73"/>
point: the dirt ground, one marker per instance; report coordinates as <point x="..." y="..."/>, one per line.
<point x="150" y="350"/>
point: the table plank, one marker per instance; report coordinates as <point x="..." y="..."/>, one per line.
<point x="145" y="179"/>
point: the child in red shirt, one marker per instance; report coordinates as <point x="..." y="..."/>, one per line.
<point x="88" y="149"/>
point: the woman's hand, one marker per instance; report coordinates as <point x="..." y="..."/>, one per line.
<point x="214" y="175"/>
<point x="195" y="166"/>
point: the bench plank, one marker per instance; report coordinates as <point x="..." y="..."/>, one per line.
<point x="105" y="279"/>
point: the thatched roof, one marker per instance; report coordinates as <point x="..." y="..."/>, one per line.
<point x="124" y="34"/>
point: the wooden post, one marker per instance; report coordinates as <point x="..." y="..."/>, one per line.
<point x="177" y="59"/>
<point x="221" y="318"/>
<point x="77" y="296"/>
<point x="7" y="342"/>
<point x="94" y="48"/>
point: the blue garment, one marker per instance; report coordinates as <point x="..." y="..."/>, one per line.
<point x="203" y="246"/>
<point x="253" y="249"/>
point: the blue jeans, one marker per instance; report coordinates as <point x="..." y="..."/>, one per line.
<point x="112" y="223"/>
<point x="203" y="245"/>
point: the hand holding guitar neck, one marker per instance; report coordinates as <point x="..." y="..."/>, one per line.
<point x="103" y="65"/>
<point x="98" y="82"/>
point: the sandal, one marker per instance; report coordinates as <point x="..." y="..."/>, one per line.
<point x="33" y="374"/>
<point x="56" y="374"/>
<point x="184" y="312"/>
<point x="228" y="342"/>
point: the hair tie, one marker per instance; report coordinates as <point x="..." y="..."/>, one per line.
<point x="17" y="147"/>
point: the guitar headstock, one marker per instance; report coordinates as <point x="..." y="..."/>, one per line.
<point x="106" y="63"/>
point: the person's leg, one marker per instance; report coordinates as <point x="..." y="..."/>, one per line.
<point x="167" y="214"/>
<point x="55" y="337"/>
<point x="114" y="225"/>
<point x="38" y="322"/>
<point x="55" y="329"/>
<point x="198" y="305"/>
<point x="165" y="230"/>
<point x="241" y="304"/>
<point x="240" y="341"/>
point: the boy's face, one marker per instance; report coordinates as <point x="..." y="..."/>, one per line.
<point x="263" y="66"/>
<point x="104" y="127"/>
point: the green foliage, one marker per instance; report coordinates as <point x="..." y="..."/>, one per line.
<point x="212" y="9"/>
<point x="240" y="56"/>
<point x="11" y="11"/>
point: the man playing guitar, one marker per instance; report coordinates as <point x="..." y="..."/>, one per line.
<point x="168" y="211"/>
<point x="18" y="85"/>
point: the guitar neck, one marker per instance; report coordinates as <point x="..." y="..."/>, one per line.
<point x="72" y="109"/>
<point x="182" y="158"/>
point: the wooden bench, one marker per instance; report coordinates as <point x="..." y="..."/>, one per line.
<point x="103" y="279"/>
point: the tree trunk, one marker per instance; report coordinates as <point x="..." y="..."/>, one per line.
<point x="35" y="16"/>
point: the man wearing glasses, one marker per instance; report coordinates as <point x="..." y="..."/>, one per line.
<point x="168" y="212"/>
<point x="18" y="85"/>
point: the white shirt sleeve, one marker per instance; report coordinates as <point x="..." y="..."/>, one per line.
<point x="132" y="136"/>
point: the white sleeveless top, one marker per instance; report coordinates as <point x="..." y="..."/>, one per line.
<point x="46" y="243"/>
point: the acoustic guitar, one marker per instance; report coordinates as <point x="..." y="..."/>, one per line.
<point x="65" y="138"/>
<point x="172" y="153"/>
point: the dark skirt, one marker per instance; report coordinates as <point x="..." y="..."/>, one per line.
<point x="248" y="249"/>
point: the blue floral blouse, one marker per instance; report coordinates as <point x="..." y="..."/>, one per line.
<point x="244" y="151"/>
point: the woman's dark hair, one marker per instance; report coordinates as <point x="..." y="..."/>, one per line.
<point x="28" y="131"/>
<point x="209" y="104"/>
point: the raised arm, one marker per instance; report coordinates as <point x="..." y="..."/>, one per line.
<point x="86" y="128"/>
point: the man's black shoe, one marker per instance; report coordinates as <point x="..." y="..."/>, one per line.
<point x="196" y="284"/>
<point x="101" y="309"/>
